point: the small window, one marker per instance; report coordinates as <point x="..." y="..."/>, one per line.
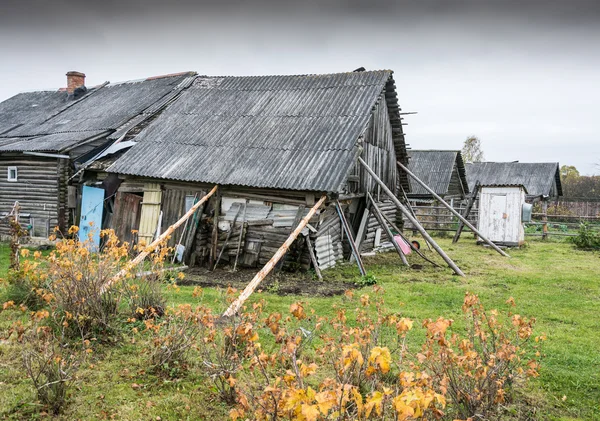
<point x="12" y="174"/>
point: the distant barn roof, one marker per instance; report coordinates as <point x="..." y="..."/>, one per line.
<point x="53" y="122"/>
<point x="435" y="168"/>
<point x="289" y="132"/>
<point x="537" y="178"/>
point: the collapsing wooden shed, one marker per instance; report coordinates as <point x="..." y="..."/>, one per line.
<point x="501" y="214"/>
<point x="274" y="145"/>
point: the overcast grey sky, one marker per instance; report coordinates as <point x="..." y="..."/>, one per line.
<point x="524" y="78"/>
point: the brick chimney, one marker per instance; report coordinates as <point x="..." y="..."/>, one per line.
<point x="74" y="80"/>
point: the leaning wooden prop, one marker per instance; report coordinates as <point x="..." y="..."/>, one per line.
<point x="152" y="246"/>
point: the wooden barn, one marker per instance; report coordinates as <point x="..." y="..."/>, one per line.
<point x="274" y="145"/>
<point x="45" y="137"/>
<point x="442" y="171"/>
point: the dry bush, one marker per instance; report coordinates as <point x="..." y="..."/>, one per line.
<point x="340" y="369"/>
<point x="173" y="337"/>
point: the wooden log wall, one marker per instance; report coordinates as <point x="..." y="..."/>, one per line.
<point x="36" y="189"/>
<point x="378" y="153"/>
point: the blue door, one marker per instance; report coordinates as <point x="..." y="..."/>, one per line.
<point x="92" y="205"/>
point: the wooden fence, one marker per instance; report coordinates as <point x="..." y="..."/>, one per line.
<point x="438" y="218"/>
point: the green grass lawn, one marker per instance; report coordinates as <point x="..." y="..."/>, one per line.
<point x="551" y="281"/>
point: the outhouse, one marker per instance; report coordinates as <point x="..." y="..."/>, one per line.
<point x="501" y="214"/>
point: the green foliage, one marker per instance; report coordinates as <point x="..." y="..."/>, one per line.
<point x="366" y="280"/>
<point x="587" y="238"/>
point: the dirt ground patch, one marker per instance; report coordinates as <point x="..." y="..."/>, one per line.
<point x="280" y="283"/>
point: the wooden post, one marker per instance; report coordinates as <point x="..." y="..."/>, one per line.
<point x="313" y="258"/>
<point x="379" y="216"/>
<point x="346" y="229"/>
<point x="467" y="211"/>
<point x="237" y="304"/>
<point x="443" y="202"/>
<point x="152" y="246"/>
<point x="361" y="231"/>
<point x="409" y="207"/>
<point x="239" y="246"/>
<point x="228" y="235"/>
<point x="16" y="232"/>
<point x="215" y="230"/>
<point x="545" y="219"/>
<point x="416" y="250"/>
<point x="413" y="220"/>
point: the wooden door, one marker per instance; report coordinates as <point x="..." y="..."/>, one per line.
<point x="499" y="216"/>
<point x="127" y="216"/>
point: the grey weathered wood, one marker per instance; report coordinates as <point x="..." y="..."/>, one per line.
<point x="215" y="228"/>
<point x="451" y="209"/>
<point x="416" y="250"/>
<point x="362" y="230"/>
<point x="239" y="245"/>
<point x="466" y="211"/>
<point x="416" y="223"/>
<point x="313" y="258"/>
<point x="229" y="235"/>
<point x="387" y="231"/>
<point x="346" y="229"/>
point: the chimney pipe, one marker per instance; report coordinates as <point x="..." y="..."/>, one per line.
<point x="75" y="80"/>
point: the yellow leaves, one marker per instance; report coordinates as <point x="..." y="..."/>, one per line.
<point x="404" y="325"/>
<point x="8" y="304"/>
<point x="511" y="302"/>
<point x="24" y="252"/>
<point x="351" y="355"/>
<point x="380" y="359"/>
<point x="297" y="310"/>
<point x="439" y="327"/>
<point x="197" y="292"/>
<point x="364" y="300"/>
<point x="374" y="401"/>
<point x="73" y="230"/>
<point x="326" y="400"/>
<point x="180" y="275"/>
<point x="307" y="370"/>
<point x="310" y="412"/>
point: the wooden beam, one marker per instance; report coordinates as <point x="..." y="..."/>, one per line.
<point x="348" y="232"/>
<point x="228" y="235"/>
<point x="237" y="304"/>
<point x="416" y="223"/>
<point x="239" y="245"/>
<point x="451" y="209"/>
<point x="467" y="211"/>
<point x="311" y="253"/>
<point x="215" y="230"/>
<point x="379" y="216"/>
<point x="416" y="250"/>
<point x="152" y="246"/>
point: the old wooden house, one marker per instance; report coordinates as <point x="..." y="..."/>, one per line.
<point x="442" y="171"/>
<point x="46" y="136"/>
<point x="274" y="145"/>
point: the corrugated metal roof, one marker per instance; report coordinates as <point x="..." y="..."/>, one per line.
<point x="434" y="168"/>
<point x="51" y="121"/>
<point x="537" y="178"/>
<point x="291" y="132"/>
<point x="48" y="143"/>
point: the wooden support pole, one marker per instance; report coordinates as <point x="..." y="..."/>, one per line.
<point x="379" y="216"/>
<point x="413" y="220"/>
<point x="237" y="304"/>
<point x="239" y="246"/>
<point x="362" y="229"/>
<point x="152" y="246"/>
<point x="416" y="250"/>
<point x="346" y="229"/>
<point x="313" y="258"/>
<point x="467" y="211"/>
<point x="215" y="230"/>
<point x="228" y="235"/>
<point x="451" y="209"/>
<point x="409" y="207"/>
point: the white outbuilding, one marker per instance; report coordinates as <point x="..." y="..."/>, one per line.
<point x="501" y="214"/>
